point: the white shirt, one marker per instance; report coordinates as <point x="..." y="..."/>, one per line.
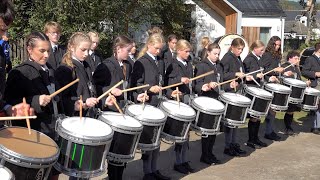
<point x="152" y="56"/>
<point x="182" y="61"/>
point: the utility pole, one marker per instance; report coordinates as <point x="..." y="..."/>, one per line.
<point x="311" y="12"/>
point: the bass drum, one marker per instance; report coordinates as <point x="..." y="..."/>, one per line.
<point x="304" y="55"/>
<point x="225" y="43"/>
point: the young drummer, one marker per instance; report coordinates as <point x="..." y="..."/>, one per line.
<point x="207" y="86"/>
<point x="252" y="63"/>
<point x="180" y="70"/>
<point x="148" y="69"/>
<point x="271" y="61"/>
<point x="93" y="59"/>
<point x="170" y="53"/>
<point x="232" y="68"/>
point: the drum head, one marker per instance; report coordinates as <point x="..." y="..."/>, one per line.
<point x="121" y="121"/>
<point x="225" y="43"/>
<point x="259" y="92"/>
<point x="235" y="98"/>
<point x="312" y="91"/>
<point x="86" y="127"/>
<point x="184" y="111"/>
<point x="5" y="173"/>
<point x="294" y="82"/>
<point x="278" y="88"/>
<point x="36" y="145"/>
<point x="148" y="113"/>
<point x="208" y="104"/>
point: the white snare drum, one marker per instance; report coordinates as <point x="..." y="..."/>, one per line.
<point x="127" y="131"/>
<point x="28" y="156"/>
<point x="236" y="108"/>
<point x="280" y="96"/>
<point x="178" y="121"/>
<point x="297" y="89"/>
<point x="153" y="120"/>
<point x="84" y="145"/>
<point x="209" y="113"/>
<point x="260" y="101"/>
<point x="310" y="99"/>
<point x="5" y="173"/>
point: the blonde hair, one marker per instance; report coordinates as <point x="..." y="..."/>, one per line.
<point x="183" y="44"/>
<point x="52" y="24"/>
<point x="256" y="44"/>
<point x="93" y="34"/>
<point x="205" y="41"/>
<point x="74" y="41"/>
<point x="153" y="39"/>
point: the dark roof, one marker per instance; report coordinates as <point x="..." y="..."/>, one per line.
<point x="264" y="8"/>
<point x="296" y="27"/>
<point x="291" y="15"/>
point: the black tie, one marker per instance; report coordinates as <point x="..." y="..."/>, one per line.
<point x="55" y="48"/>
<point x="93" y="58"/>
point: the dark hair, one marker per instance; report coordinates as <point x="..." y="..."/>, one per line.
<point x="121" y="41"/>
<point x="317" y="47"/>
<point x="237" y="42"/>
<point x="270" y="47"/>
<point x="213" y="46"/>
<point x="172" y="37"/>
<point x="292" y="54"/>
<point x="31" y="38"/>
<point x="6" y="11"/>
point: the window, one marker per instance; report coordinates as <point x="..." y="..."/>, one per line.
<point x="265" y="34"/>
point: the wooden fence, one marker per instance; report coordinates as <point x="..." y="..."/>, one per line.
<point x="18" y="51"/>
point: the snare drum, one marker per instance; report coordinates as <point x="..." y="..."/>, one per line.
<point x="84" y="145"/>
<point x="236" y="109"/>
<point x="28" y="157"/>
<point x="209" y="113"/>
<point x="280" y="96"/>
<point x="260" y="101"/>
<point x="5" y="173"/>
<point x="310" y="99"/>
<point x="178" y="122"/>
<point x="127" y="131"/>
<point x="298" y="87"/>
<point x="153" y="120"/>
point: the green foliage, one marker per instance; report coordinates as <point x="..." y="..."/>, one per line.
<point x="108" y="17"/>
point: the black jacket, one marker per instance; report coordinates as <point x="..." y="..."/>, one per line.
<point x="293" y="69"/>
<point x="146" y="71"/>
<point x="2" y="78"/>
<point x="252" y="63"/>
<point x="93" y="60"/>
<point x="310" y="67"/>
<point x="55" y="58"/>
<point x="268" y="62"/>
<point x="168" y="58"/>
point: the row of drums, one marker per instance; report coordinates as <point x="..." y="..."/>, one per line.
<point x="82" y="145"/>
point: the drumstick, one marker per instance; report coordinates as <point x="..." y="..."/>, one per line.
<point x="144" y="100"/>
<point x="290" y="65"/>
<point x="135" y="88"/>
<point x="178" y="96"/>
<point x="191" y="79"/>
<point x="81" y="107"/>
<point x="268" y="72"/>
<point x="228" y="81"/>
<point x="63" y="88"/>
<point x="116" y="104"/>
<point x="26" y="114"/>
<point x="253" y="72"/>
<point x="108" y="92"/>
<point x="17" y="118"/>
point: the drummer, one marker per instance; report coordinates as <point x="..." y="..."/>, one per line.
<point x="271" y="61"/>
<point x="207" y="86"/>
<point x="149" y="69"/>
<point x="180" y="70"/>
<point x="252" y="63"/>
<point x="311" y="70"/>
<point x="232" y="68"/>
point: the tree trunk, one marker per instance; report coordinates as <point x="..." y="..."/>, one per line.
<point x="310" y="14"/>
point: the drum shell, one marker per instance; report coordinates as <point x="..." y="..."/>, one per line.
<point x="280" y="99"/>
<point x="310" y="99"/>
<point x="260" y="104"/>
<point x="8" y="172"/>
<point x="297" y="90"/>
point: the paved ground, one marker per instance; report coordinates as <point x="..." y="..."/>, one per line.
<point x="296" y="157"/>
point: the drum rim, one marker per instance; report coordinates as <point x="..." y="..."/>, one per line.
<point x="287" y="82"/>
<point x="25" y="161"/>
<point x="283" y="91"/>
<point x="82" y="174"/>
<point x="98" y="140"/>
<point x="147" y="120"/>
<point x="114" y="124"/>
<point x="11" y="175"/>
<point x="317" y="93"/>
<point x="242" y="104"/>
<point x="174" y="115"/>
<point x="247" y="90"/>
<point x="207" y="110"/>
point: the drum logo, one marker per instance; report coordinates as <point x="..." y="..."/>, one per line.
<point x="40" y="174"/>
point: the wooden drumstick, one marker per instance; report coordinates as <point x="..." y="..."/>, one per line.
<point x="108" y="92"/>
<point x="135" y="88"/>
<point x="63" y="88"/>
<point x="81" y="104"/>
<point x="191" y="79"/>
<point x="228" y="81"/>
<point x="116" y="104"/>
<point x="27" y="114"/>
<point x="144" y="100"/>
<point x="268" y="72"/>
<point x="7" y="118"/>
<point x="178" y="96"/>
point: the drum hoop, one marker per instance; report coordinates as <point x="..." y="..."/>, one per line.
<point x="234" y="103"/>
<point x="174" y="115"/>
<point x="312" y="93"/>
<point x="206" y="110"/>
<point x="287" y="82"/>
<point x="11" y="175"/>
<point x="146" y="120"/>
<point x="269" y="88"/>
<point x="9" y="154"/>
<point x="80" y="174"/>
<point x="113" y="124"/>
<point x="247" y="90"/>
<point x="89" y="140"/>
